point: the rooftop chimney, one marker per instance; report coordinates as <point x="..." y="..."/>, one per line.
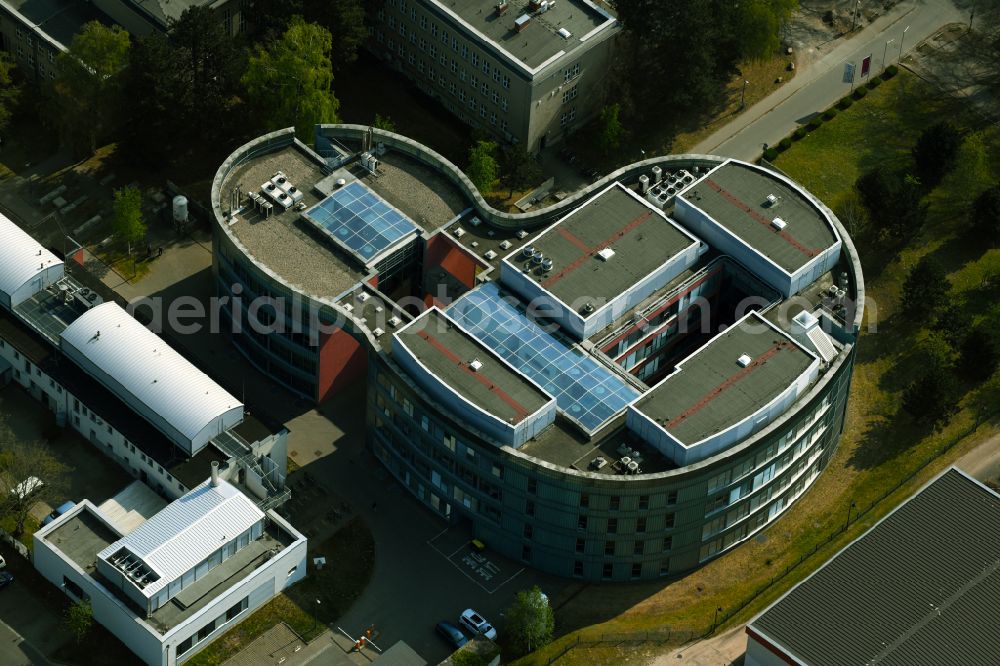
<point x="215" y="473"/>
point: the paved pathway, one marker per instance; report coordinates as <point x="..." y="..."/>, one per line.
<point x="820" y="84"/>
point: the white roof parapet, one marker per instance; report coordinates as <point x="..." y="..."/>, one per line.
<point x="138" y="366"/>
<point x="187" y="531"/>
<point x="23" y="260"/>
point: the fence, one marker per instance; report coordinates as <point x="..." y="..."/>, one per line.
<point x="679" y="636"/>
<point x="15" y="544"/>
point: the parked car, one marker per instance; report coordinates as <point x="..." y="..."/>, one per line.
<point x="63" y="508"/>
<point x="452" y="634"/>
<point x="477" y="624"/>
<point x="6" y="578"/>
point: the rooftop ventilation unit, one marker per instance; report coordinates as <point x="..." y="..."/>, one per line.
<point x="505" y="245"/>
<point x="744" y="360"/>
<point x="606" y="254"/>
<point x="490" y="254"/>
<point x="772" y="201"/>
<point x="522" y="234"/>
<point x="537" y="257"/>
<point x="657" y="174"/>
<point x="589" y="308"/>
<point x="564" y="33"/>
<point x="778" y="223"/>
<point x="348" y="308"/>
<point x="644" y="183"/>
<point x="547" y="264"/>
<point x="475" y="365"/>
<point x="502" y="7"/>
<point x="527" y="251"/>
<point x="521" y="22"/>
<point x="363" y="296"/>
<point x="394" y="321"/>
<point x="459" y="232"/>
<point x="378" y="332"/>
<point x="474" y="221"/>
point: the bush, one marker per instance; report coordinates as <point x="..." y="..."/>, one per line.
<point x="815" y="123"/>
<point x="859" y="93"/>
<point x="874" y="83"/>
<point x="800" y="133"/>
<point x="890" y="72"/>
<point x="771" y="154"/>
<point x="829" y="114"/>
<point x="785" y="144"/>
<point x="845" y="103"/>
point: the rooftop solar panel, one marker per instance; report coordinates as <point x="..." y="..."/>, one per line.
<point x="360" y="220"/>
<point x="585" y="390"/>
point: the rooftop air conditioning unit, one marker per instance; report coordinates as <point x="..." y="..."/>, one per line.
<point x="490" y="254"/>
<point x="505" y="245"/>
<point x="363" y="296"/>
<point x="348" y="307"/>
<point x="778" y="223"/>
<point x="772" y="200"/>
<point x="475" y="222"/>
<point x="589" y="308"/>
<point x="476" y="365"/>
<point x="378" y="332"/>
<point x="606" y="254"/>
<point x="522" y="234"/>
<point x="521" y="22"/>
<point x="394" y="321"/>
<point x="744" y="360"/>
<point x="459" y="232"/>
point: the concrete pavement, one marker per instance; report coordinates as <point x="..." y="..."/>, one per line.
<point x="982" y="462"/>
<point x="819" y="85"/>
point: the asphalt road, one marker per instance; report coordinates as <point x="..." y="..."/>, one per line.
<point x="819" y="85"/>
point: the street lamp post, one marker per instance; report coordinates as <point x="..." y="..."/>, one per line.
<point x="315" y="619"/>
<point x="849" y="509"/>
<point x="885" y="51"/>
<point x="715" y="620"/>
<point x="857" y="8"/>
<point x="901" y="38"/>
<point x="743" y="94"/>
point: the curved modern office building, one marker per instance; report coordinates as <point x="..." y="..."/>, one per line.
<point x="619" y="386"/>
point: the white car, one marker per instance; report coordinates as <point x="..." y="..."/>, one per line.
<point x="477" y="624"/>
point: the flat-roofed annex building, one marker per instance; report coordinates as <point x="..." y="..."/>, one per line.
<point x="525" y="70"/>
<point x="168" y="585"/>
<point x="917" y="589"/>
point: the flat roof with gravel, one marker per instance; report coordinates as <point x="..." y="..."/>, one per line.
<point x="641" y="238"/>
<point x="450" y="354"/>
<point x="712" y="390"/>
<point x="736" y="197"/>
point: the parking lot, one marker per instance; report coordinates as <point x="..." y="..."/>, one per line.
<point x="487" y="570"/>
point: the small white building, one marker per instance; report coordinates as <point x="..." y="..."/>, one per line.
<point x="27" y="267"/>
<point x="180" y="579"/>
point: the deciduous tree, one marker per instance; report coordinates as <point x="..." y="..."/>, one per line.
<point x="530" y="622"/>
<point x="127" y="222"/>
<point x="935" y="152"/>
<point x="520" y="170"/>
<point x="984" y="219"/>
<point x="483" y="169"/>
<point x="611" y="128"/>
<point x="20" y="461"/>
<point x="290" y="81"/>
<point x="926" y="289"/>
<point x="88" y="83"/>
<point x="933" y="397"/>
<point x="79" y="619"/>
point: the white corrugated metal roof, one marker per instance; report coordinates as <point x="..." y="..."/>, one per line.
<point x="188" y="530"/>
<point x="21" y="257"/>
<point x="149" y="370"/>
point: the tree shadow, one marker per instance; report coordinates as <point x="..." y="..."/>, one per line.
<point x="886" y="437"/>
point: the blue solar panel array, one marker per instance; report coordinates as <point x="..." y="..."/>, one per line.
<point x="584" y="390"/>
<point x="361" y="220"/>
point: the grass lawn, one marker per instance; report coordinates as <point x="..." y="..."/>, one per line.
<point x="350" y="556"/>
<point x="879" y="448"/>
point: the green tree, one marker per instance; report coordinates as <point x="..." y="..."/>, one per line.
<point x="345" y="19"/>
<point x="925" y="290"/>
<point x="986" y="399"/>
<point x="88" y="84"/>
<point x="611" y="128"/>
<point x="760" y="22"/>
<point x="128" y="223"/>
<point x="894" y="203"/>
<point x="9" y="91"/>
<point x="79" y="619"/>
<point x="935" y="152"/>
<point x="520" y="170"/>
<point x="384" y="123"/>
<point x="290" y="81"/>
<point x="933" y="397"/>
<point x="530" y="622"/>
<point x="19" y="461"/>
<point x="984" y="219"/>
<point x="483" y="168"/>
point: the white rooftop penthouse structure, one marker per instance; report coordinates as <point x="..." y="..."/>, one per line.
<point x="27" y="267"/>
<point x="139" y="367"/>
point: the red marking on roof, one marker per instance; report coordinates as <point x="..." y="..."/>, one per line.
<point x="717" y="391"/>
<point x="573" y="238"/>
<point x="478" y="376"/>
<point x="590" y="251"/>
<point x="735" y="201"/>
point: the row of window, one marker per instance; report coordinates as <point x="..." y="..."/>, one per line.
<point x="209" y="628"/>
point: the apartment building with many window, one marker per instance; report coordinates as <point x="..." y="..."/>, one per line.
<point x="528" y="72"/>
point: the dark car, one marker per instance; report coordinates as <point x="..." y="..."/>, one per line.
<point x="452" y="634"/>
<point x="6" y="579"/>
